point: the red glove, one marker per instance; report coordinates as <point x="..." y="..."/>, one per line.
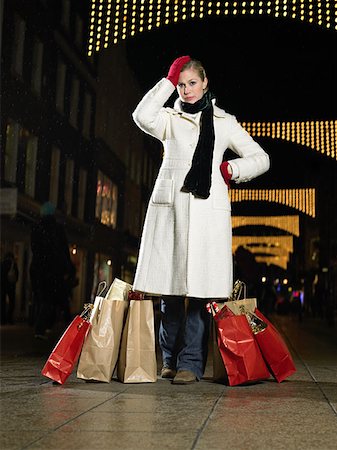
<point x="225" y="174"/>
<point x="175" y="69"/>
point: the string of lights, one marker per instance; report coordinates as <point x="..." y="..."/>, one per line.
<point x="115" y="20"/>
<point x="262" y="250"/>
<point x="284" y="242"/>
<point x="318" y="135"/>
<point x="302" y="200"/>
<point x="291" y="224"/>
<point x="281" y="261"/>
<point x="266" y="249"/>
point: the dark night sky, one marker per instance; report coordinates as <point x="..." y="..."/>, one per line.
<point x="260" y="69"/>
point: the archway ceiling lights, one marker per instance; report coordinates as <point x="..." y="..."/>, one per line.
<point x="291" y="224"/>
<point x="115" y="20"/>
<point x="263" y="250"/>
<point x="284" y="242"/>
<point x="302" y="200"/>
<point x="318" y="135"/>
<point x="281" y="261"/>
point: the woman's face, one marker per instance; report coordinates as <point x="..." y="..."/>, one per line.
<point x="190" y="86"/>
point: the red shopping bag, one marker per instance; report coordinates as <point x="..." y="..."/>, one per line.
<point x="63" y="358"/>
<point x="239" y="350"/>
<point x="274" y="350"/>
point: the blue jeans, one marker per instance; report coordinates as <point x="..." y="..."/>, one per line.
<point x="183" y="335"/>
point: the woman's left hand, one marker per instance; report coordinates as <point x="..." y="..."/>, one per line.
<point x="226" y="172"/>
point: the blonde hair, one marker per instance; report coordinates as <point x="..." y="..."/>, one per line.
<point x="197" y="66"/>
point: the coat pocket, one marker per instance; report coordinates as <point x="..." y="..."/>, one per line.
<point x="163" y="192"/>
<point x="221" y="198"/>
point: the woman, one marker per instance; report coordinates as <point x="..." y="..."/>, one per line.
<point x="186" y="247"/>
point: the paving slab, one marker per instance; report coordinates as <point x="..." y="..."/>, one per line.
<point x="299" y="413"/>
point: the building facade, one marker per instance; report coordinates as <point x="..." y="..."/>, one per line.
<point x="54" y="147"/>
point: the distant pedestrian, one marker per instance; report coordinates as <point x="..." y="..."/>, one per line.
<point x="9" y="278"/>
<point x="50" y="269"/>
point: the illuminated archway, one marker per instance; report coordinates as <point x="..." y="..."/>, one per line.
<point x="291" y="224"/>
<point x="301" y="199"/>
<point x="276" y="249"/>
<point x="281" y="261"/>
<point x="318" y="135"/>
<point x="284" y="242"/>
<point x="115" y="20"/>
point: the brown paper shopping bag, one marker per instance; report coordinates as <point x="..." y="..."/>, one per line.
<point x="137" y="357"/>
<point x="100" y="350"/>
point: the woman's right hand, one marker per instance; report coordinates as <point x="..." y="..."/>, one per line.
<point x="175" y="69"/>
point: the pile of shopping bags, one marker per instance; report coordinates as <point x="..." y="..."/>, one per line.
<point x="116" y="331"/>
<point x="248" y="347"/>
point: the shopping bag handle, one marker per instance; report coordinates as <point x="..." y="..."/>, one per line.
<point x="238" y="287"/>
<point x="85" y="314"/>
<point x="101" y="288"/>
<point x="212" y="308"/>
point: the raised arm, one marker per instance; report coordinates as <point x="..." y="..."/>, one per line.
<point x="150" y="115"/>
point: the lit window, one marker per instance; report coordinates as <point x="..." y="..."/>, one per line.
<point x="106" y="201"/>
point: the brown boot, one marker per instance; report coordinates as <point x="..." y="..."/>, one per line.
<point x="167" y="372"/>
<point x="184" y="377"/>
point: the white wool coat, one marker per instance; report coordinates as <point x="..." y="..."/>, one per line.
<point x="186" y="245"/>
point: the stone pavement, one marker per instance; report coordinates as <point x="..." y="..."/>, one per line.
<point x="300" y="413"/>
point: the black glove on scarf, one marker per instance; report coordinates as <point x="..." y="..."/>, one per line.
<point x="198" y="179"/>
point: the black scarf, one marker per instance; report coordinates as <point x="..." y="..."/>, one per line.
<point x="198" y="179"/>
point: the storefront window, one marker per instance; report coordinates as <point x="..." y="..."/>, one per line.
<point x="103" y="270"/>
<point x="106" y="201"/>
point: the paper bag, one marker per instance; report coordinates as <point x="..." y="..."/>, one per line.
<point x="101" y="347"/>
<point x="239" y="351"/>
<point x="219" y="371"/>
<point x="275" y="351"/>
<point x="137" y="357"/>
<point x="248" y="304"/>
<point x="64" y="356"/>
